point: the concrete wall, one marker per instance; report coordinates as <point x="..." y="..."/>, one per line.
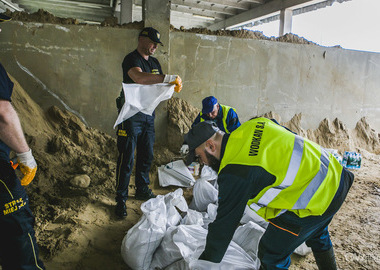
<point x="81" y="66"/>
<point x="257" y="76"/>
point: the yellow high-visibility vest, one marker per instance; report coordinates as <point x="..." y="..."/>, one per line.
<point x="307" y="176"/>
<point x="225" y="110"/>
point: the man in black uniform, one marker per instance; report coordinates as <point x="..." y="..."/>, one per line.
<point x="137" y="132"/>
<point x="18" y="247"/>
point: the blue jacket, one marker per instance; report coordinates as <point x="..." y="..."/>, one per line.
<point x="231" y="120"/>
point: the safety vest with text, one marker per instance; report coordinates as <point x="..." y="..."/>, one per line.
<point x="225" y="110"/>
<point x="307" y="176"/>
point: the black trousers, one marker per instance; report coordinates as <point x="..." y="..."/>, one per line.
<point x="18" y="247"/>
<point x="136" y="133"/>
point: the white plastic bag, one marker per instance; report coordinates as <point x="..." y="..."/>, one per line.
<point x="248" y="237"/>
<point x="303" y="250"/>
<point x="210" y="215"/>
<point x="167" y="252"/>
<point x="141" y="241"/>
<point x="208" y="173"/>
<point x="178" y="265"/>
<point x="235" y="258"/>
<point x="174" y="200"/>
<point x="203" y="194"/>
<point x="175" y="174"/>
<point x="142" y="98"/>
<point x="193" y="218"/>
<point x="178" y="243"/>
<point x="250" y="215"/>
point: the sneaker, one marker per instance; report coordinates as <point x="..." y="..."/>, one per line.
<point x="121" y="209"/>
<point x="144" y="195"/>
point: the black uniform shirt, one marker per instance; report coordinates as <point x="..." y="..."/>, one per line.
<point x="134" y="59"/>
<point x="6" y="88"/>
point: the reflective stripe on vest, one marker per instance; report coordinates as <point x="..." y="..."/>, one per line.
<point x="307" y="176"/>
<point x="225" y="110"/>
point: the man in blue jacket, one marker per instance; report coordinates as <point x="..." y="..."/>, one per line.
<point x="225" y="117"/>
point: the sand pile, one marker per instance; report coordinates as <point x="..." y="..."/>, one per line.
<point x="180" y="117"/>
<point x="65" y="149"/>
<point x="72" y="196"/>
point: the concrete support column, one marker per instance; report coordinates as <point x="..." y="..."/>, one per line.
<point x="156" y="14"/>
<point x="285" y="21"/>
<point x="126" y="10"/>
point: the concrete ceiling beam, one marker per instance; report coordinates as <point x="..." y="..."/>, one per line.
<point x="260" y="11"/>
<point x="207" y="7"/>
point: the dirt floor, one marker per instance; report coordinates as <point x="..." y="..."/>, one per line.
<point x="72" y="195"/>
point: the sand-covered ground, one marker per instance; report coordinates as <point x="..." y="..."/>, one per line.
<point x="72" y="195"/>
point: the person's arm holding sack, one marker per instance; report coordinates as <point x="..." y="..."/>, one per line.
<point x="138" y="76"/>
<point x="12" y="135"/>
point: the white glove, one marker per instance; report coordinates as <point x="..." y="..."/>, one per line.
<point x="28" y="166"/>
<point x="184" y="149"/>
<point x="169" y="78"/>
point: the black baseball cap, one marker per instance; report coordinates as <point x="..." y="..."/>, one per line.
<point x="197" y="135"/>
<point x="4" y="18"/>
<point x="151" y="33"/>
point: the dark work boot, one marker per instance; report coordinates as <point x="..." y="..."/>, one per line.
<point x="144" y="194"/>
<point x="121" y="209"/>
<point x="325" y="260"/>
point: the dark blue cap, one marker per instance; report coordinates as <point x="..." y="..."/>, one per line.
<point x="208" y="104"/>
<point x="151" y="33"/>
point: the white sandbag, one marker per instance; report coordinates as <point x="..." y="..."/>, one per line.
<point x="193" y="218"/>
<point x="178" y="265"/>
<point x="248" y="237"/>
<point x="235" y="258"/>
<point x="142" y="98"/>
<point x="303" y="250"/>
<point x="142" y="239"/>
<point x="210" y="215"/>
<point x="167" y="252"/>
<point x="178" y="243"/>
<point x="174" y="200"/>
<point x="203" y="194"/>
<point x="190" y="240"/>
<point x="250" y="215"/>
<point x="208" y="173"/>
<point x="175" y="174"/>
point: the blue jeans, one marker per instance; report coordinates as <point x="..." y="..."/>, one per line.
<point x="18" y="247"/>
<point x="286" y="232"/>
<point x="137" y="133"/>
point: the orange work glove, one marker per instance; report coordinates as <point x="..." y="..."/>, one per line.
<point x="28" y="166"/>
<point x="174" y="79"/>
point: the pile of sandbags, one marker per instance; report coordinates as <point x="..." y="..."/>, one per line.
<point x="172" y="235"/>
